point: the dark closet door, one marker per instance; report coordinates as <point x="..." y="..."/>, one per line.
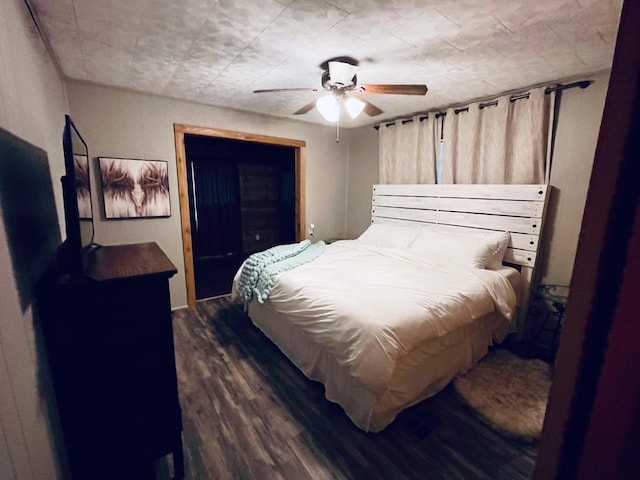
<point x="215" y="225"/>
<point x="242" y="200"/>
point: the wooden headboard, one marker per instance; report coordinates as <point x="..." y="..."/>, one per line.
<point x="518" y="209"/>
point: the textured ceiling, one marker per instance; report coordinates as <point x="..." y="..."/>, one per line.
<point x="217" y="52"/>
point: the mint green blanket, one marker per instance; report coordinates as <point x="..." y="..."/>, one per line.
<point x="259" y="272"/>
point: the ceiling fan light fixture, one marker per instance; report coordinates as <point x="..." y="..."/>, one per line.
<point x="342" y="73"/>
<point x="354" y="106"/>
<point x="328" y="108"/>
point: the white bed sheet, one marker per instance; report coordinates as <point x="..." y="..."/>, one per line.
<point x="383" y="328"/>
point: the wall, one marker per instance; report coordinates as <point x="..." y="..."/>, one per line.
<point x="125" y="124"/>
<point x="32" y="106"/>
<point x="577" y="133"/>
<point x="363" y="174"/>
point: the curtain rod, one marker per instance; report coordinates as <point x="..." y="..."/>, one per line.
<point x="422" y="118"/>
<point x="582" y="84"/>
<point x="558" y="88"/>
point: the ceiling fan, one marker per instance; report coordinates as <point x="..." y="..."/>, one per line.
<point x="340" y="79"/>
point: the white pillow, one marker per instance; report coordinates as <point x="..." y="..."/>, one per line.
<point x="503" y="242"/>
<point x="389" y="235"/>
<point x="474" y="251"/>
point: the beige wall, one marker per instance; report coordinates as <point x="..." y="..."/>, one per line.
<point x="32" y="106"/>
<point x="363" y="173"/>
<point x="577" y="134"/>
<point x="119" y="123"/>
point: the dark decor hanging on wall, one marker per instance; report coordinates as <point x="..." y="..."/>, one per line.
<point x="133" y="188"/>
<point x="83" y="191"/>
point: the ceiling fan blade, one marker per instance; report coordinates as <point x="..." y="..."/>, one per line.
<point x="301" y="89"/>
<point x="370" y="109"/>
<point x="306" y="108"/>
<point x="395" y="89"/>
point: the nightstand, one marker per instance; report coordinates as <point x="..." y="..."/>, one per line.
<point x="547" y="307"/>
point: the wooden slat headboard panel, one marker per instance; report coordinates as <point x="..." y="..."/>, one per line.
<point x="518" y="209"/>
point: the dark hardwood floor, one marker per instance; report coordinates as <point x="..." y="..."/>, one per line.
<point x="249" y="413"/>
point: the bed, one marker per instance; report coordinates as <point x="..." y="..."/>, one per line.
<point x="389" y="319"/>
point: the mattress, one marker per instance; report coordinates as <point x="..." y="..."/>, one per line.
<point x="384" y="328"/>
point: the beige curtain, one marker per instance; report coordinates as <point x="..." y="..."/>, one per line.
<point x="408" y="150"/>
<point x="503" y="143"/>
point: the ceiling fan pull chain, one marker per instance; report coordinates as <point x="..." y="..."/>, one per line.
<point x="338" y="129"/>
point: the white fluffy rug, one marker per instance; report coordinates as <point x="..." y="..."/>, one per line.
<point x="508" y="392"/>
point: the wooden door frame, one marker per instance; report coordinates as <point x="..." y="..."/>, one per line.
<point x="183" y="188"/>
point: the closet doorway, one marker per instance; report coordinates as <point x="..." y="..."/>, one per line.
<point x="239" y="193"/>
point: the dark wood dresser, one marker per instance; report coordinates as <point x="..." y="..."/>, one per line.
<point x="110" y="341"/>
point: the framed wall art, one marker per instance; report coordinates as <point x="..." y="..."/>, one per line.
<point x="83" y="190"/>
<point x="133" y="188"/>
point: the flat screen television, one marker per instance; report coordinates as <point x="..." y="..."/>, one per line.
<point x="78" y="212"/>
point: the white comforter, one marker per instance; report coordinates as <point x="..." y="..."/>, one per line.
<point x="368" y="306"/>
